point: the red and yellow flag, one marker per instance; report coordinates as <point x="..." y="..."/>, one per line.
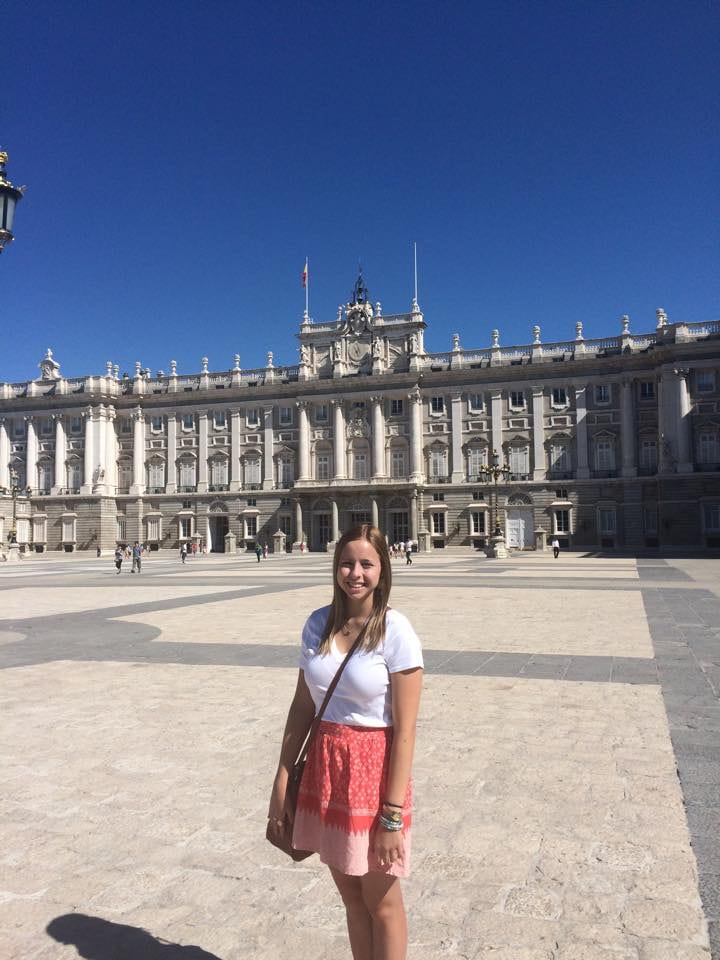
<point x="304" y="275"/>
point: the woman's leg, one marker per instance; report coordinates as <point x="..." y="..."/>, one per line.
<point x="382" y="896"/>
<point x="359" y="921"/>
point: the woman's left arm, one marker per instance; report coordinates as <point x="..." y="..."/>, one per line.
<point x="405" y="686"/>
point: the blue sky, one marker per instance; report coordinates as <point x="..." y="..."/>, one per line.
<point x="554" y="161"/>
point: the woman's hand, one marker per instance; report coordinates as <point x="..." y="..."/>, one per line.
<point x="276" y="808"/>
<point x="389" y="846"/>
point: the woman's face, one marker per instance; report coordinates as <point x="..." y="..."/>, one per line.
<point x="358" y="571"/>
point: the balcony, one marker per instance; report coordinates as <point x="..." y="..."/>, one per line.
<point x="252" y="486"/>
<point x="605" y="474"/>
<point x="156" y="489"/>
<point x="521" y="476"/>
<point x="187" y="489"/>
<point x="285" y="484"/>
<point x="219" y="487"/>
<point x="560" y="474"/>
<point x="439" y="479"/>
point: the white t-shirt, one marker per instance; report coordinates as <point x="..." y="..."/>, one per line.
<point x="362" y="697"/>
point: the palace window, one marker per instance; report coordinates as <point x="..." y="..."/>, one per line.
<point x="75" y="424"/>
<point x="156" y="474"/>
<point x="519" y="460"/>
<point x="39" y="529"/>
<point x="559" y="456"/>
<point x="252" y="418"/>
<point x="74" y="474"/>
<point x="602" y="393"/>
<point x="397" y="464"/>
<point x="121" y="532"/>
<point x="647" y="389"/>
<point x="476" y="461"/>
<point x="186" y="473"/>
<point x="606" y="520"/>
<point x="125" y="425"/>
<point x="360" y="466"/>
<point x="475" y="402"/>
<point x="650" y="518"/>
<point x="438" y="464"/>
<point x="68" y="529"/>
<point x="322" y="466"/>
<point x="561" y="521"/>
<point x="559" y="397"/>
<point x="251" y="501"/>
<point x="188" y="421"/>
<point x="185" y="528"/>
<point x="156" y="424"/>
<point x="604" y="454"/>
<point x="45" y="476"/>
<point x="153" y="528"/>
<point x="477" y="495"/>
<point x="561" y="493"/>
<point x="218" y="472"/>
<point x="252" y="470"/>
<point x="439" y="497"/>
<point x="250" y="528"/>
<point x="286" y="469"/>
<point x="648" y="454"/>
<point x="125" y="474"/>
<point x="517" y="399"/>
<point x="396" y="407"/>
<point x="438" y="522"/>
<point x="19" y="428"/>
<point x="220" y="419"/>
<point x="711" y="517"/>
<point x="286" y="416"/>
<point x="477" y="520"/>
<point x="321" y="413"/>
<point x="708" y="447"/>
<point x="46" y="427"/>
<point x="705" y="381"/>
<point x="437" y="405"/>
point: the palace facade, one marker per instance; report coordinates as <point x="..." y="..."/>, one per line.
<point x="606" y="444"/>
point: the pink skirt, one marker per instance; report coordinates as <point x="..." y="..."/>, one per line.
<point x="340" y="796"/>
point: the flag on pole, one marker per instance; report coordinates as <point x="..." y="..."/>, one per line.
<point x="304" y="275"/>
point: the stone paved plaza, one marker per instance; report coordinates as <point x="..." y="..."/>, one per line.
<point x="567" y="770"/>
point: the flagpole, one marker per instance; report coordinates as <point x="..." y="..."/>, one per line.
<point x="415" y="273"/>
<point x="307" y="288"/>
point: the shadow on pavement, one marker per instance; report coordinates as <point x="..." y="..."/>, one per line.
<point x="98" y="939"/>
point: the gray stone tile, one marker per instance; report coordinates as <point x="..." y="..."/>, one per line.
<point x="710" y="891"/>
<point x="704" y="821"/>
<point x="699" y="770"/>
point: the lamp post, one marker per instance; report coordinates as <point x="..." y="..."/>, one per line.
<point x="494" y="472"/>
<point x="15" y="492"/>
<point x="9" y="196"/>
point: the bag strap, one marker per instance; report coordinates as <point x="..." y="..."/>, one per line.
<point x="310" y="736"/>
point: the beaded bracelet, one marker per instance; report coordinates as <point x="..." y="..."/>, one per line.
<point x="398" y="806"/>
<point x="390" y="825"/>
<point x="395" y="815"/>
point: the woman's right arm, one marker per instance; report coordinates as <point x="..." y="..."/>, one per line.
<point x="300" y="716"/>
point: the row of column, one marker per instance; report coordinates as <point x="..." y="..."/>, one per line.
<point x="335" y="519"/>
<point x="100" y="440"/>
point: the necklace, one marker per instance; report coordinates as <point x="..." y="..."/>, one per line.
<point x="345" y="629"/>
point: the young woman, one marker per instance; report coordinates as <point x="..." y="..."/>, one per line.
<point x="355" y="802"/>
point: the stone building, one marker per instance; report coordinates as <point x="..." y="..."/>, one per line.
<point x="608" y="444"/>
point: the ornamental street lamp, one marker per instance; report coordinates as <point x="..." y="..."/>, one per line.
<point x="494" y="472"/>
<point x="15" y="491"/>
<point x="9" y="196"/>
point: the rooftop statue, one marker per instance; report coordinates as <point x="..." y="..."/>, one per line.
<point x="49" y="368"/>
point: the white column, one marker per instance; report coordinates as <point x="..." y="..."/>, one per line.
<point x="208" y="535"/>
<point x="60" y="453"/>
<point x="31" y="455"/>
<point x="234" y="449"/>
<point x="496" y="422"/>
<point x="89" y="464"/>
<point x="299" y="532"/>
<point x="171" y="479"/>
<point x="414" y="516"/>
<point x="202" y="452"/>
<point x="268" y="440"/>
<point x="685" y="460"/>
<point x="340" y="468"/>
<point x="335" y="522"/>
<point x="416" y="437"/>
<point x="539" y="470"/>
<point x="627" y="429"/>
<point x="100" y="450"/>
<point x="4" y="455"/>
<point x="378" y="438"/>
<point x="581" y="437"/>
<point x="375" y="512"/>
<point x="304" y="441"/>
<point x="110" y="451"/>
<point x="138" y="484"/>
<point x="458" y="474"/>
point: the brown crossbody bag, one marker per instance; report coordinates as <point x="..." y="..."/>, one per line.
<point x="282" y="838"/>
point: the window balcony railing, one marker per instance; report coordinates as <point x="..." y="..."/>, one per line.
<point x="123" y="489"/>
<point x="520" y="476"/>
<point x="286" y="484"/>
<point x="604" y="474"/>
<point x="187" y="488"/>
<point x="476" y="478"/>
<point x="439" y="479"/>
<point x="218" y="487"/>
<point x="252" y="486"/>
<point x="556" y="473"/>
<point x="156" y="489"/>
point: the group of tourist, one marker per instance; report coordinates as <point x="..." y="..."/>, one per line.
<point x="135" y="553"/>
<point x="402" y="549"/>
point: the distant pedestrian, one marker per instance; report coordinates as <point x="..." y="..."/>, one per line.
<point x="194" y="548"/>
<point x="118" y="558"/>
<point x="408" y="553"/>
<point x="555" y="547"/>
<point x="265" y="551"/>
<point x="136" y="557"/>
<point x="258" y="552"/>
<point x="183" y="551"/>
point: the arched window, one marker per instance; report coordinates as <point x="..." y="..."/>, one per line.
<point x="251" y="470"/>
<point x="156" y="474"/>
<point x="186" y="475"/>
<point x="218" y="472"/>
<point x="44" y="476"/>
<point x="125" y="475"/>
<point x="73" y="471"/>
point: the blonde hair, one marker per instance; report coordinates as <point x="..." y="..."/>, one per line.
<point x="375" y="630"/>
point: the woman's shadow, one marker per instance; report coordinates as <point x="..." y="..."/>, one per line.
<point x="98" y="939"/>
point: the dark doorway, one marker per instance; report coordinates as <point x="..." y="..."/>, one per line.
<point x="399" y="525"/>
<point x="219" y="526"/>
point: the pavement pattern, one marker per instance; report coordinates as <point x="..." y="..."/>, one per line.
<point x="567" y="769"/>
